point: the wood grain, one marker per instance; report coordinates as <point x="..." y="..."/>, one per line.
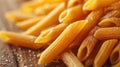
<point x="11" y="56"/>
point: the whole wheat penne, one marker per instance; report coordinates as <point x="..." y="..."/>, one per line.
<point x="116" y="65"/>
<point x="90" y="60"/>
<point x="72" y="14"/>
<point x="45" y="9"/>
<point x="86" y="47"/>
<point x="18" y="39"/>
<point x="104" y="52"/>
<point x="49" y="20"/>
<point x="108" y="22"/>
<point x="18" y="16"/>
<point x="107" y="33"/>
<point x="62" y="41"/>
<point x="115" y="55"/>
<point x="52" y="34"/>
<point x="93" y="18"/>
<point x="26" y="24"/>
<point x="96" y="4"/>
<point x="71" y="60"/>
<point x="72" y="3"/>
<point x="113" y="13"/>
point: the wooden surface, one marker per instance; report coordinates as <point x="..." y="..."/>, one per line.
<point x="11" y="56"/>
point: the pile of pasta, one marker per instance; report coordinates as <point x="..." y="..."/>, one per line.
<point x="82" y="33"/>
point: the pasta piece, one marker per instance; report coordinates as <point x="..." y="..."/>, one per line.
<point x="90" y="60"/>
<point x="62" y="42"/>
<point x="114" y="6"/>
<point x="32" y="5"/>
<point x="73" y="3"/>
<point x="114" y="13"/>
<point x="86" y="47"/>
<point x="104" y="52"/>
<point x="51" y="34"/>
<point x="115" y="55"/>
<point x="108" y="33"/>
<point x="49" y="20"/>
<point x="96" y="4"/>
<point x="117" y="65"/>
<point x="18" y="39"/>
<point x="26" y="24"/>
<point x="93" y="18"/>
<point x="18" y="16"/>
<point x="108" y="22"/>
<point x="71" y="60"/>
<point x="45" y="9"/>
<point x="72" y="14"/>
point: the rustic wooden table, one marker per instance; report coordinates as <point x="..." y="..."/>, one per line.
<point x="11" y="56"/>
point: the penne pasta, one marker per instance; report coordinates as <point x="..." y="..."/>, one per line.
<point x="109" y="22"/>
<point x="71" y="60"/>
<point x="73" y="3"/>
<point x="62" y="41"/>
<point x="112" y="33"/>
<point x="18" y="16"/>
<point x="116" y="65"/>
<point x="93" y="18"/>
<point x="32" y="5"/>
<point x="26" y="24"/>
<point x="51" y="34"/>
<point x="104" y="52"/>
<point x="86" y="47"/>
<point x="114" y="6"/>
<point x="49" y="20"/>
<point x="90" y="60"/>
<point x="72" y="14"/>
<point x="45" y="9"/>
<point x="113" y="13"/>
<point x="96" y="4"/>
<point x="115" y="55"/>
<point x="18" y="39"/>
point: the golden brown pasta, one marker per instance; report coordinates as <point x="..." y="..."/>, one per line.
<point x="116" y="65"/>
<point x="113" y="13"/>
<point x="51" y="34"/>
<point x="72" y="14"/>
<point x="86" y="47"/>
<point x="32" y="5"/>
<point x="19" y="39"/>
<point x="62" y="42"/>
<point x="45" y="9"/>
<point x="49" y="20"/>
<point x="114" y="6"/>
<point x="90" y="60"/>
<point x="104" y="52"/>
<point x="96" y="4"/>
<point x="26" y="24"/>
<point x="71" y="60"/>
<point x="93" y="18"/>
<point x="18" y="16"/>
<point x="108" y="22"/>
<point x="115" y="55"/>
<point x="72" y="3"/>
<point x="108" y="33"/>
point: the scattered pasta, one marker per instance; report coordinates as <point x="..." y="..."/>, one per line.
<point x="59" y="26"/>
